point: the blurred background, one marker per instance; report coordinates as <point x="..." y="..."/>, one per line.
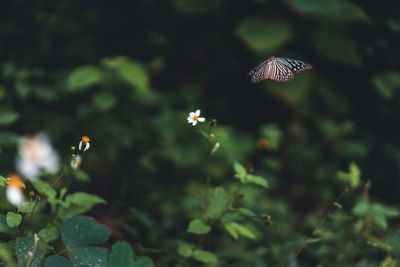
<point x="127" y="74"/>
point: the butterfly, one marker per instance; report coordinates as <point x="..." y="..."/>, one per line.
<point x="278" y="69"/>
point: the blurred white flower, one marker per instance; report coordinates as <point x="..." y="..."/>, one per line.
<point x="14" y="191"/>
<point x="194" y="117"/>
<point x="76" y="162"/>
<point x="35" y="153"/>
<point x="85" y="141"/>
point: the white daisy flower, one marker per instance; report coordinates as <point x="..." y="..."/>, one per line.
<point x="14" y="191"/>
<point x="35" y="153"/>
<point x="194" y="117"/>
<point x="85" y="141"/>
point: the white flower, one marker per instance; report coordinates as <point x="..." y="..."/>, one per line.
<point x="85" y="141"/>
<point x="194" y="117"/>
<point x="76" y="162"/>
<point x="35" y="153"/>
<point x="14" y="190"/>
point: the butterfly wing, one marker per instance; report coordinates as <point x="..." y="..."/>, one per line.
<point x="280" y="72"/>
<point x="260" y="72"/>
<point x="295" y="65"/>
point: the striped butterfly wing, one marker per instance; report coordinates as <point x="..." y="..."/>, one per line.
<point x="259" y="72"/>
<point x="295" y="65"/>
<point x="280" y="72"/>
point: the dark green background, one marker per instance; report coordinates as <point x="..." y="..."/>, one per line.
<point x="150" y="165"/>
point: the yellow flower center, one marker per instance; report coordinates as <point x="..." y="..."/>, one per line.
<point x="14" y="180"/>
<point x="85" y="139"/>
<point x="195" y="117"/>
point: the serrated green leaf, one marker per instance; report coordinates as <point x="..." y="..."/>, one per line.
<point x="89" y="256"/>
<point x="217" y="204"/>
<point x="262" y="34"/>
<point x="185" y="249"/>
<point x="26" y="246"/>
<point x="3" y="181"/>
<point x="13" y="219"/>
<point x="49" y="234"/>
<point x="79" y="202"/>
<point x="143" y="262"/>
<point x="197" y="226"/>
<point x="83" y="77"/>
<point x="236" y="229"/>
<point x="57" y="261"/>
<point x="44" y="188"/>
<point x="205" y="256"/>
<point x="258" y="180"/>
<point x="239" y="169"/>
<point x="80" y="231"/>
<point x="121" y="255"/>
<point x="4" y="228"/>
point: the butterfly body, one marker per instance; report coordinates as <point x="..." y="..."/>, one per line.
<point x="278" y="69"/>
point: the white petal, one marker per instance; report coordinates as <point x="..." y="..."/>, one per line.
<point x="14" y="195"/>
<point x="86" y="147"/>
<point x="194" y="123"/>
<point x="201" y="119"/>
<point x="198" y="112"/>
<point x="191" y="114"/>
<point x="190" y="120"/>
<point x="80" y="145"/>
<point x="27" y="168"/>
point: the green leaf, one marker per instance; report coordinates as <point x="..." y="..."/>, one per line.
<point x="57" y="261"/>
<point x="44" y="188"/>
<point x="8" y="117"/>
<point x="205" y="256"/>
<point x="338" y="9"/>
<point x="379" y="218"/>
<point x="332" y="44"/>
<point x="258" y="180"/>
<point x="83" y="77"/>
<point x="240" y="171"/>
<point x="236" y="229"/>
<point x="386" y="210"/>
<point x="143" y="262"/>
<point x="104" y="100"/>
<point x="262" y="34"/>
<point x="26" y="207"/>
<point x="13" y="219"/>
<point x="3" y="181"/>
<point x="361" y="208"/>
<point x="218" y="202"/>
<point x="231" y="230"/>
<point x="246" y="212"/>
<point x="83" y="231"/>
<point x="134" y="74"/>
<point x="81" y="176"/>
<point x="272" y="132"/>
<point x="386" y="83"/>
<point x="197" y="226"/>
<point x="353" y="177"/>
<point x="89" y="256"/>
<point x="49" y="234"/>
<point x="4" y="228"/>
<point x="185" y="249"/>
<point x="79" y="202"/>
<point x="28" y="249"/>
<point x="121" y="255"/>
